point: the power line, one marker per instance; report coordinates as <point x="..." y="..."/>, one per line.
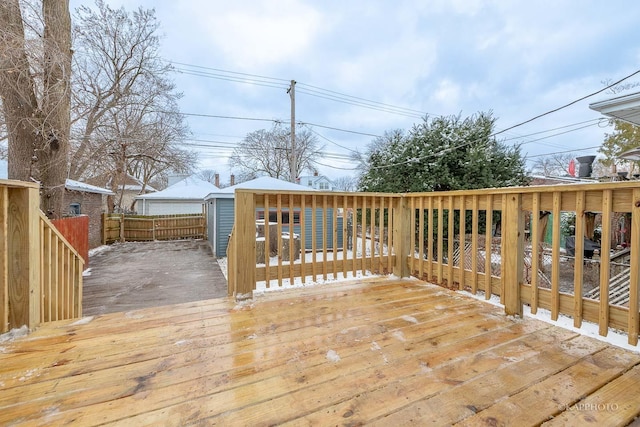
<point x="562" y="152"/>
<point x="279" y="83"/>
<point x="338" y="129"/>
<point x="228" y="78"/>
<point x="216" y="116"/>
<point x="332" y="142"/>
<point x="598" y="120"/>
<point x="231" y="72"/>
<point x="568" y="104"/>
<point x="360" y="104"/>
<point x="368" y="101"/>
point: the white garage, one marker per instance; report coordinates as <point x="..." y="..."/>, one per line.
<point x="183" y="197"/>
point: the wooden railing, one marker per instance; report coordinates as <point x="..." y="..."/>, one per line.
<point x="475" y="240"/>
<point x="329" y="236"/>
<point x="61" y="275"/>
<point x="40" y="274"/>
<point x="488" y="241"/>
<point x="137" y="228"/>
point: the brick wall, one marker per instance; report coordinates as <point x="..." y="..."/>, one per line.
<point x="92" y="205"/>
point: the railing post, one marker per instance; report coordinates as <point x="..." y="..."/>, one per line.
<point x="23" y="267"/>
<point x="513" y="261"/>
<point x="634" y="274"/>
<point x="402" y="226"/>
<point x="245" y="244"/>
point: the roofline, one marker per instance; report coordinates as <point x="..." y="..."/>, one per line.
<point x="630" y="100"/>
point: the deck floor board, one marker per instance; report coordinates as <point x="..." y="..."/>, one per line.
<point x="380" y="352"/>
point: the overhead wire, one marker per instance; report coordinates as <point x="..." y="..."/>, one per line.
<point x="365" y="103"/>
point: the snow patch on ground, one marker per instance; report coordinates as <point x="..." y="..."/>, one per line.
<point x="99" y="250"/>
<point x="399" y="336"/>
<point x="375" y="346"/>
<point x="409" y="319"/>
<point x="83" y="321"/>
<point x="28" y="375"/>
<point x="332" y="356"/>
<point x="182" y="342"/>
<point x="614" y="337"/>
<point x="86" y="273"/>
<point x="15" y="333"/>
<point x="133" y="315"/>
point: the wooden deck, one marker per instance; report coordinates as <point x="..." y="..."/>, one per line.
<point x="381" y="352"/>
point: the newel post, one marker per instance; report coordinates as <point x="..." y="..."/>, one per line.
<point x="23" y="257"/>
<point x="513" y="250"/>
<point x="245" y="244"/>
<point x="402" y="227"/>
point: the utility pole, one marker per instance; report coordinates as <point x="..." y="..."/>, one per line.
<point x="293" y="164"/>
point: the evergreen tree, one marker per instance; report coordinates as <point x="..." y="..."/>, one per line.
<point x="440" y="154"/>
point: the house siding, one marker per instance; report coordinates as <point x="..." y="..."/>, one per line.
<point x="171" y="207"/>
<point x="225" y="215"/>
<point x="225" y="218"/>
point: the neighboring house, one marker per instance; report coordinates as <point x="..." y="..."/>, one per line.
<point x="81" y="199"/>
<point x="183" y="197"/>
<point x="625" y="107"/>
<point x="220" y="214"/>
<point x="129" y="189"/>
<point x="84" y="199"/>
<point x="317" y="182"/>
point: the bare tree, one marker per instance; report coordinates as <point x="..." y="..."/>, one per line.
<point x="346" y="183"/>
<point x="268" y="152"/>
<point x="35" y="70"/>
<point x="553" y="164"/>
<point x="209" y="175"/>
<point x="126" y="118"/>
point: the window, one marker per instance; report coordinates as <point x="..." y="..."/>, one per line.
<point x="74" y="209"/>
<point x="324" y="186"/>
<point x="273" y="216"/>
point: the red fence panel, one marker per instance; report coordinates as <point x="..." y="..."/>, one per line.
<point x="76" y="231"/>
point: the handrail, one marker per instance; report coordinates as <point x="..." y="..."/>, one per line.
<point x="501" y="269"/>
<point x="418" y="233"/>
<point x="61" y="275"/>
<point x="40" y="273"/>
<point x="312" y="236"/>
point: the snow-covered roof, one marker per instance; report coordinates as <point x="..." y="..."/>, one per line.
<point x="262" y="183"/>
<point x="73" y="185"/>
<point x="190" y="188"/>
<point x="69" y="184"/>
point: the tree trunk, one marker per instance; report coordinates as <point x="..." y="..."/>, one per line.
<point x="19" y="101"/>
<point x="38" y="129"/>
<point x="57" y="105"/>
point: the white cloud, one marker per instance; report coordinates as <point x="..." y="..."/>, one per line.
<point x="254" y="35"/>
<point x="447" y="95"/>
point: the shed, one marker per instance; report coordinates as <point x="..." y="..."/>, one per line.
<point x="183" y="197"/>
<point x="220" y="214"/>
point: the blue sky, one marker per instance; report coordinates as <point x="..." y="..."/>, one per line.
<point x="515" y="58"/>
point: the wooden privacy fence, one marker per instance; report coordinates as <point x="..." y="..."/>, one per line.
<point x="40" y="272"/>
<point x="368" y="237"/>
<point x="138" y="228"/>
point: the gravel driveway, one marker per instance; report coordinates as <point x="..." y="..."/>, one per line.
<point x="133" y="275"/>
